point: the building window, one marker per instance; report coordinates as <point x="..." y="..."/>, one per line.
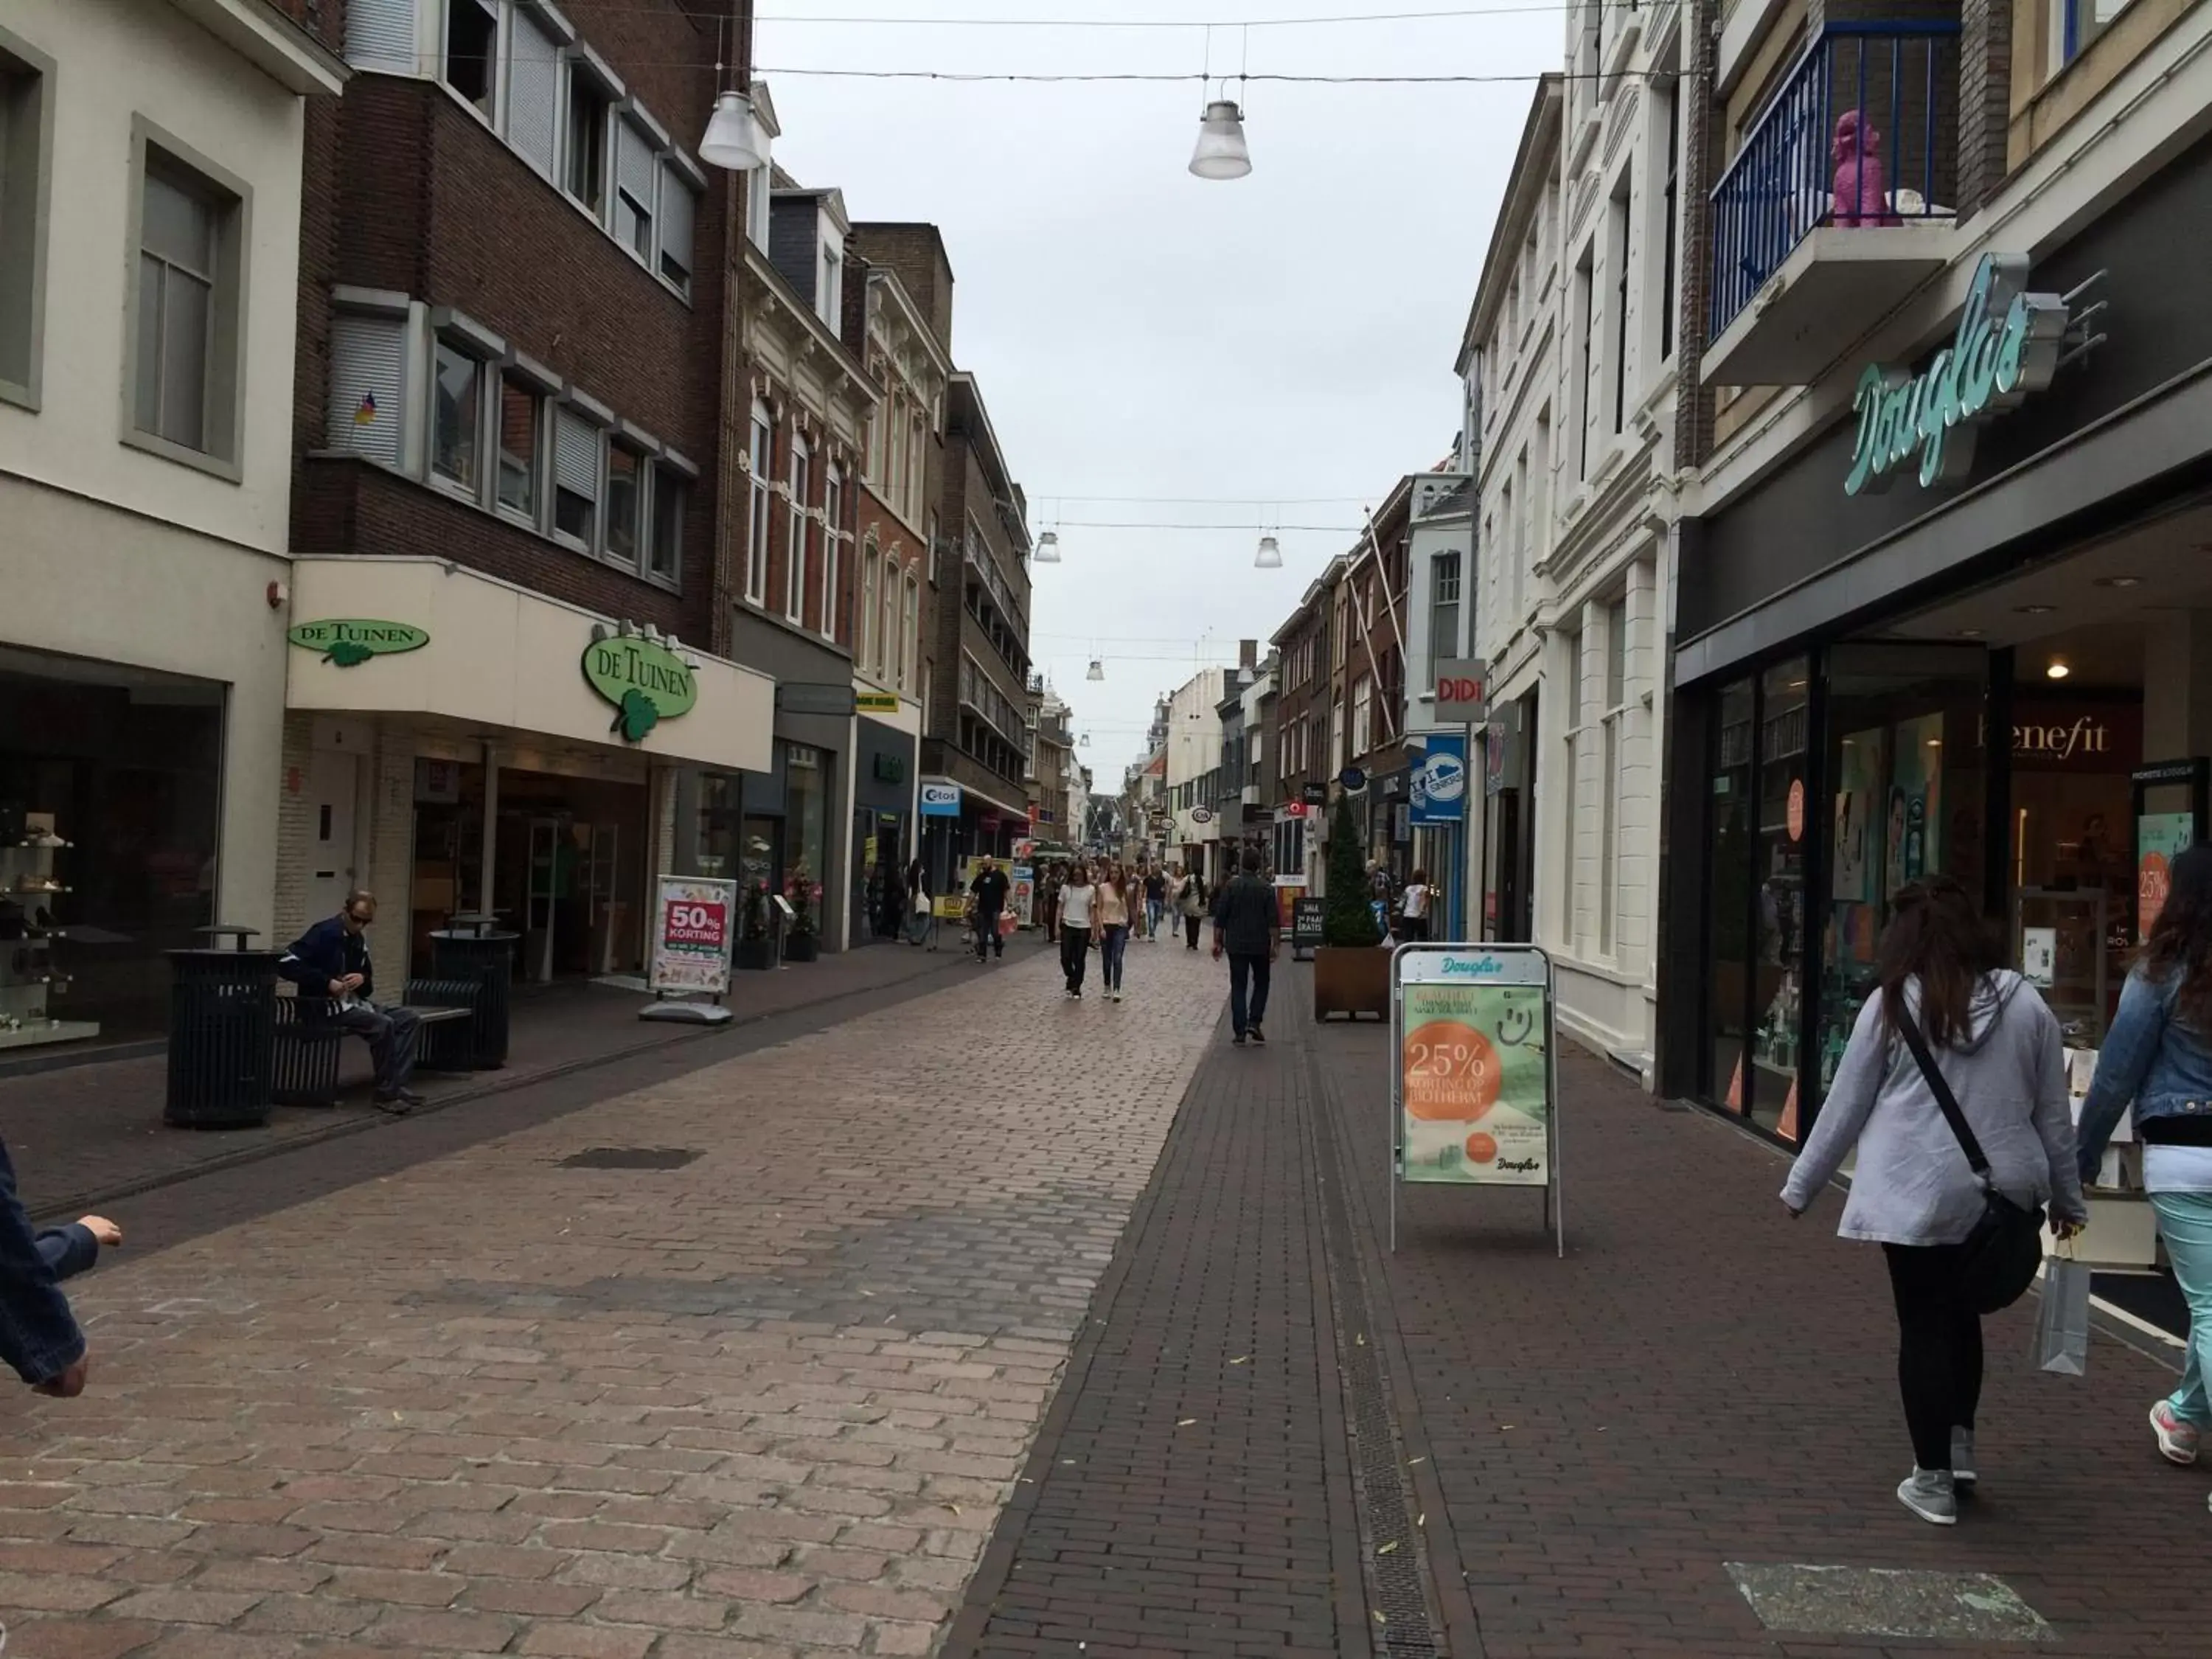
<point x="871" y="562"/>
<point x="456" y="417"/>
<point x="625" y="492"/>
<point x="910" y="631"/>
<point x="187" y="334"/>
<point x="634" y="173"/>
<point x="1443" y="606"/>
<point x="1617" y="252"/>
<point x="1585" y="364"/>
<point x="678" y="209"/>
<point x="521" y="437"/>
<point x="1670" y="112"/>
<point x="1616" y="692"/>
<point x="760" y="204"/>
<point x="757" y="515"/>
<point x="671" y="495"/>
<point x="584" y="167"/>
<point x="931" y="549"/>
<point x="473" y="52"/>
<point x="577" y="448"/>
<point x="25" y="159"/>
<point x="1571" y="889"/>
<point x="794" y="562"/>
<point x="833" y="513"/>
<point x="888" y="627"/>
<point x="917" y="466"/>
<point x="829" y="286"/>
<point x="874" y="462"/>
<point x="1362" y="716"/>
<point x="2082" y="21"/>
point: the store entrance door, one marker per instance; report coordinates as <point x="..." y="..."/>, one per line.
<point x="541" y="910"/>
<point x="333" y="797"/>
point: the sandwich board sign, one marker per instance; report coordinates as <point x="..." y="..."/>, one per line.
<point x="1475" y="1074"/>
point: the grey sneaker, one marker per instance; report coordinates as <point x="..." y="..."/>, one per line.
<point x="1930" y="1494"/>
<point x="1962" y="1458"/>
<point x="2176" y="1440"/>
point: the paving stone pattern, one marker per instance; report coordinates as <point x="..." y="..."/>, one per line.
<point x="766" y="1403"/>
<point x="1190" y="1494"/>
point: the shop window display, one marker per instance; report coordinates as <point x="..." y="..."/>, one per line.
<point x="1784" y="808"/>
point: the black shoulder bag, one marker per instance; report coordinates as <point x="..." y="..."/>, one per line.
<point x="1998" y="1260"/>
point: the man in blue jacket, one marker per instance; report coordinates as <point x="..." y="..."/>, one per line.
<point x="39" y="1334"/>
<point x="331" y="959"/>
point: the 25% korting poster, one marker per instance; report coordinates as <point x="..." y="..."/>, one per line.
<point x="1474" y="1084"/>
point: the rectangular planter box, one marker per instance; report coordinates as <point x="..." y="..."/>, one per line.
<point x="1351" y="980"/>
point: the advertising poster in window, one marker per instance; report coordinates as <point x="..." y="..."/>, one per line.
<point x="1474" y="1080"/>
<point x="2160" y="838"/>
<point x="691" y="935"/>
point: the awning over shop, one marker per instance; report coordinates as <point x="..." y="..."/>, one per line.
<point x="419" y="636"/>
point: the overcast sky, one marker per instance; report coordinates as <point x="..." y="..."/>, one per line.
<point x="1140" y="332"/>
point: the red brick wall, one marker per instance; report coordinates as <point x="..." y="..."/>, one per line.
<point x="406" y="190"/>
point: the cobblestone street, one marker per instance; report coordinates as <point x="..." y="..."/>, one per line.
<point x="988" y="1322"/>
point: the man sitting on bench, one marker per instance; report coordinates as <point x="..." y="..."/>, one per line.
<point x="331" y="959"/>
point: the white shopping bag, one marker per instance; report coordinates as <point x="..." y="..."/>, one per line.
<point x="2061" y="1318"/>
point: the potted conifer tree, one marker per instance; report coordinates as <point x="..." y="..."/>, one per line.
<point x="1351" y="973"/>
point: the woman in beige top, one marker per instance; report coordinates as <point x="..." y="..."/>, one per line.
<point x="1113" y="919"/>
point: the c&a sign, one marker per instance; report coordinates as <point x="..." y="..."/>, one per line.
<point x="2007" y="346"/>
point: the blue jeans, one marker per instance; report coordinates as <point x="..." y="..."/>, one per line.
<point x="2184" y="1222"/>
<point x="1256" y="968"/>
<point x="1112" y="945"/>
<point x="1152" y="908"/>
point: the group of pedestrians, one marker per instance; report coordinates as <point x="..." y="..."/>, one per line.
<point x="1953" y="1090"/>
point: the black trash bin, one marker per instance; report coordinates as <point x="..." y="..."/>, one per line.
<point x="477" y="950"/>
<point x="222" y="1038"/>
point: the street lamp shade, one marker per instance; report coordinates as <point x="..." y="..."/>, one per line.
<point x="1096" y="671"/>
<point x="1270" y="556"/>
<point x="735" y="139"/>
<point x="1047" y="548"/>
<point x="1222" y="152"/>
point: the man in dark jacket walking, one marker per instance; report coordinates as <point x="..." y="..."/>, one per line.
<point x="1245" y="930"/>
<point x="331" y="959"/>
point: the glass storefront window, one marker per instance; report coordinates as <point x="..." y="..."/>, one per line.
<point x="124" y="766"/>
<point x="805" y="810"/>
<point x="1730" y="990"/>
<point x="1909" y="783"/>
<point x="1778" y="915"/>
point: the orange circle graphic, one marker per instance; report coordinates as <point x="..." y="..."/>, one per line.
<point x="1450" y="1071"/>
<point x="1482" y="1148"/>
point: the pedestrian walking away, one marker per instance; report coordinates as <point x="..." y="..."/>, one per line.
<point x="919" y="913"/>
<point x="1155" y="901"/>
<point x="987" y="896"/>
<point x="2158" y="1058"/>
<point x="39" y="1334"/>
<point x="1191" y="901"/>
<point x="329" y="965"/>
<point x="1247" y="930"/>
<point x="1413" y="909"/>
<point x="1079" y="904"/>
<point x="1995" y="1051"/>
<point x="1116" y="894"/>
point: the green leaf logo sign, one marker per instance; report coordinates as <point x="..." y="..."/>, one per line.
<point x="642" y="680"/>
<point x="350" y="641"/>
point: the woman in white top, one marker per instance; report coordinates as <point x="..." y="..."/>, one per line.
<point x="1078" y="908"/>
<point x="1413" y="909"/>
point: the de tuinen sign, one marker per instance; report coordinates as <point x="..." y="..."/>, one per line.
<point x="644" y="680"/>
<point x="2008" y="345"/>
<point x="350" y="641"/>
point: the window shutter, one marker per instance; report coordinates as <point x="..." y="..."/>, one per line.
<point x="676" y="208"/>
<point x="576" y="454"/>
<point x="633" y="168"/>
<point x="533" y="92"/>
<point x="380" y="35"/>
<point x="368" y="363"/>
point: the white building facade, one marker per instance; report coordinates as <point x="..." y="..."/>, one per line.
<point x="149" y="239"/>
<point x="1193" y="751"/>
<point x="1572" y="363"/>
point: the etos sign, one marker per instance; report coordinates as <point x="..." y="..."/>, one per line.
<point x="1462" y="689"/>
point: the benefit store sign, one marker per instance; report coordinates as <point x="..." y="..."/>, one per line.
<point x="2010" y="343"/>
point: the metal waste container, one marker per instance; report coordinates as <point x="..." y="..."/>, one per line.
<point x="222" y="1036"/>
<point x="478" y="950"/>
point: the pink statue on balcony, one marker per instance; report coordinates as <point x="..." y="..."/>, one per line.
<point x="1862" y="188"/>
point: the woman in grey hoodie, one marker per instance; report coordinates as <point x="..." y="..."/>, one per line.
<point x="1999" y="1048"/>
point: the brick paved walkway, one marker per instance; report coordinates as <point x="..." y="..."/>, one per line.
<point x="768" y="1400"/>
<point x="84" y="1135"/>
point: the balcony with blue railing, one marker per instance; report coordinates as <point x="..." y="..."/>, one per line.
<point x="1838" y="202"/>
